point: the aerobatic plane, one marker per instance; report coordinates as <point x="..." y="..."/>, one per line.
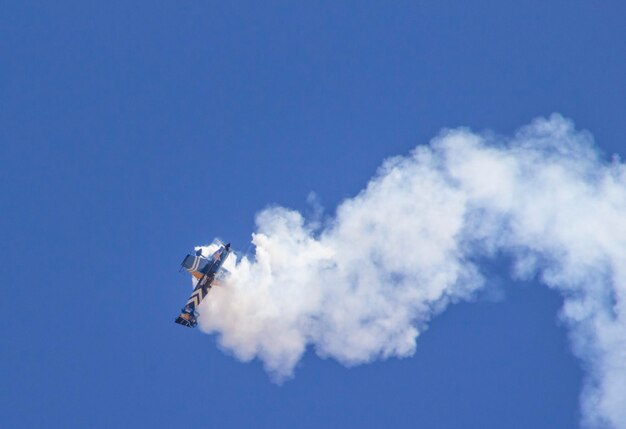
<point x="208" y="270"/>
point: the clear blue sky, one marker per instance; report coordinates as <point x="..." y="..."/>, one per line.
<point x="132" y="131"/>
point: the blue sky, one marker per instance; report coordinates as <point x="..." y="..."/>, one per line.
<point x="131" y="132"/>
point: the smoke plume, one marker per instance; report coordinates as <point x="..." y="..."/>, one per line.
<point x="364" y="284"/>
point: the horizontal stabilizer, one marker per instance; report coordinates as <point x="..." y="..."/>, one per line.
<point x="186" y="320"/>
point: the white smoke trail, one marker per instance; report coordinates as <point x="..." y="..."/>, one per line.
<point x="364" y="286"/>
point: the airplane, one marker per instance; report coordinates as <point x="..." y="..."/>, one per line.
<point x="206" y="270"/>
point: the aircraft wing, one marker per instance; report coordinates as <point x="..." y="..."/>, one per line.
<point x="196" y="265"/>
